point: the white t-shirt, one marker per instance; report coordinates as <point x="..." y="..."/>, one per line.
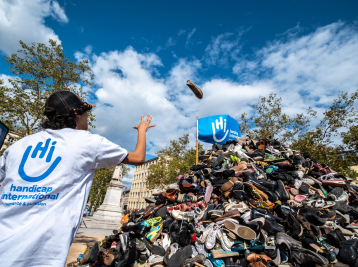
<point x="46" y="178"/>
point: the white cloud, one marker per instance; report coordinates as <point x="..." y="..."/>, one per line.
<point x="188" y="38"/>
<point x="57" y="12"/>
<point x="181" y="32"/>
<point x="88" y="49"/>
<point x="128" y="88"/>
<point x="25" y="20"/>
<point x="309" y="70"/>
<point x="221" y="49"/>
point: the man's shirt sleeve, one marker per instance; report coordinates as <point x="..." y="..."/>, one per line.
<point x="109" y="154"/>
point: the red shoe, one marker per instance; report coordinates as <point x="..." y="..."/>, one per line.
<point x="183" y="207"/>
<point x="114" y="244"/>
<point x="177" y="207"/>
<point x="202" y="205"/>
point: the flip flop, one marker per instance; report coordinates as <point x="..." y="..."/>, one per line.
<point x="208" y="193"/>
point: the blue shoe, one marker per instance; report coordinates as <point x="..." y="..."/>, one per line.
<point x="209" y="208"/>
<point x="216" y="262"/>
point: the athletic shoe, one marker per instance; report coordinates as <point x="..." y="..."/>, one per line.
<point x="154" y="233"/>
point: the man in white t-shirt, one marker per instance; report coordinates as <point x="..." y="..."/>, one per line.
<point x="46" y="178"/>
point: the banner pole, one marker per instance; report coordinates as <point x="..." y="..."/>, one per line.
<point x="197" y="136"/>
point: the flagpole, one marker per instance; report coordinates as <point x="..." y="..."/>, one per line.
<point x="197" y="134"/>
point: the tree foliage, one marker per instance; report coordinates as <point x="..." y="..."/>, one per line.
<point x="175" y="159"/>
<point x="268" y="120"/>
<point x="39" y="70"/>
<point x="102" y="178"/>
<point x="332" y="141"/>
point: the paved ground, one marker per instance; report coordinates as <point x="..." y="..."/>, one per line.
<point x="85" y="235"/>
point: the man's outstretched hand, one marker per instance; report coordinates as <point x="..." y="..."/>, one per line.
<point x="144" y="124"/>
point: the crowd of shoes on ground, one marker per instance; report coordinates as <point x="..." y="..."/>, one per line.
<point x="247" y="203"/>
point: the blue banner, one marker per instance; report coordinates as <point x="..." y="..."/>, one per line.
<point x="218" y="129"/>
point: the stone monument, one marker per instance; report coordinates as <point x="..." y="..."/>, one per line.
<point x="109" y="214"/>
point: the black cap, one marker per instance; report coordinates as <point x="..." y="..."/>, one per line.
<point x="64" y="101"/>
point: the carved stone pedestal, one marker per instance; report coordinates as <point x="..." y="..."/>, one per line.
<point x="109" y="214"/>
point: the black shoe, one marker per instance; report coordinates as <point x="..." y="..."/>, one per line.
<point x="272" y="196"/>
<point x="351" y="242"/>
<point x="256" y="155"/>
<point x="294" y="227"/>
<point x="306" y="257"/>
<point x="139" y="229"/>
<point x="272" y="227"/>
<point x="283" y="212"/>
<point x="336" y="237"/>
<point x="219" y="160"/>
<point x="240" y="195"/>
<point x="180" y="256"/>
<point x="155" y="249"/>
<point x="282" y="176"/>
<point x="123" y="260"/>
<point x="271" y="185"/>
<point x="288" y="241"/>
<point x="251" y="178"/>
<point x="315" y="219"/>
<point x="348" y="255"/>
<point x="281" y="191"/>
<point x="91" y="254"/>
<point x="258" y="213"/>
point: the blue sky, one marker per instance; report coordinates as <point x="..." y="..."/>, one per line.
<point x="142" y="53"/>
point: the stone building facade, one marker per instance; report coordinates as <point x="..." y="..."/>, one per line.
<point x="138" y="190"/>
<point x="125" y="196"/>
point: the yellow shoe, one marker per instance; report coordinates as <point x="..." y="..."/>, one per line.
<point x="154" y="233"/>
<point x="152" y="222"/>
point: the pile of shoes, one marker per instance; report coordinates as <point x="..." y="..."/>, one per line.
<point x="247" y="203"/>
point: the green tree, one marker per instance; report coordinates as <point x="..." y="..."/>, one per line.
<point x="268" y="120"/>
<point x="334" y="140"/>
<point x="175" y="159"/>
<point x="102" y="178"/>
<point x="39" y="70"/>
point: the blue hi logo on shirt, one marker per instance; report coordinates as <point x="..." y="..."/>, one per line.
<point x="43" y="150"/>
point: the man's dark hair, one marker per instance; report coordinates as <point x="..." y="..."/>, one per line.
<point x="57" y="121"/>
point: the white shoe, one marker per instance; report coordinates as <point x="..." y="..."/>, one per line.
<point x="246" y="216"/>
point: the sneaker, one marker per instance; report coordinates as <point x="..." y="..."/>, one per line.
<point x="152" y="222"/>
<point x="255" y="193"/>
<point x="154" y="233"/>
<point x="335" y="193"/>
<point x="261" y="204"/>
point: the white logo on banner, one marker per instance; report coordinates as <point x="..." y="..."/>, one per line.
<point x="218" y="126"/>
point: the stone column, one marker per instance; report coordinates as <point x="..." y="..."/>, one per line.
<point x="109" y="214"/>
